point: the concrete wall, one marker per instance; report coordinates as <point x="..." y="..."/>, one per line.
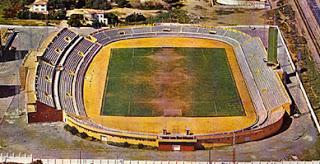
<point x="28" y="159"/>
<point x="243" y="3"/>
<point x="112" y="136"/>
<point x="206" y="141"/>
<point x="245" y="136"/>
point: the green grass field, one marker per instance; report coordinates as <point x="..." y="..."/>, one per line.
<point x="272" y="45"/>
<point x="192" y="82"/>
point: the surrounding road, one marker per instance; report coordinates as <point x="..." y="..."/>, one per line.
<point x="308" y="23"/>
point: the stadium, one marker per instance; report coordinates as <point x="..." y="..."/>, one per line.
<point x="167" y="86"/>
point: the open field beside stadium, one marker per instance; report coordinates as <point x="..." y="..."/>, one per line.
<point x="192" y="82"/>
<point x="96" y="75"/>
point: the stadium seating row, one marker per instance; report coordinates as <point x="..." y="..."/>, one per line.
<point x="59" y="70"/>
<point x="81" y="70"/>
<point x="68" y="75"/>
<point x="44" y="83"/>
<point x="271" y="91"/>
<point x="58" y="46"/>
<point x="46" y="68"/>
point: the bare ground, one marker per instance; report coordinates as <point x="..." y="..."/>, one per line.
<point x="218" y="15"/>
<point x="172" y="82"/>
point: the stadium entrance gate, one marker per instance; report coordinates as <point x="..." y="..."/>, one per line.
<point x="177" y="144"/>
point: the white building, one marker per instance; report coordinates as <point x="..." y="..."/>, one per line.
<point x="90" y="15"/>
<point x="40" y="6"/>
<point x="244" y="3"/>
<point x="100" y="17"/>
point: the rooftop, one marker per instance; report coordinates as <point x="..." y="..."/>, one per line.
<point x="40" y="2"/>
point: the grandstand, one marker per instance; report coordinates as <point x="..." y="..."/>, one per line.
<point x="63" y="68"/>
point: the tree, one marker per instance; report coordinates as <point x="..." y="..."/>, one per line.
<point x="69" y="4"/>
<point x="84" y="135"/>
<point x="98" y="4"/>
<point x="55" y="4"/>
<point x="57" y="14"/>
<point x="140" y="146"/>
<point x="135" y="17"/>
<point x="154" y="5"/>
<point x="26" y="14"/>
<point x="97" y="24"/>
<point x="126" y="144"/>
<point x="61" y="14"/>
<point x="101" y="4"/>
<point x="67" y="127"/>
<point x="26" y="2"/>
<point x="74" y="23"/>
<point x="73" y="130"/>
<point x="122" y="3"/>
<point x="61" y="4"/>
<point x="12" y="9"/>
<point x="112" y="18"/>
<point x="80" y="4"/>
<point x="175" y="15"/>
<point x="75" y="20"/>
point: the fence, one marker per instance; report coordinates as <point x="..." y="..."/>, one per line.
<point x="24" y="158"/>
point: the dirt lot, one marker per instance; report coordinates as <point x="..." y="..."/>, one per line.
<point x="218" y="15"/>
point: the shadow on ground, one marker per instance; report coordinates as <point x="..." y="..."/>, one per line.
<point x="12" y="55"/>
<point x="287" y="120"/>
<point x="9" y="90"/>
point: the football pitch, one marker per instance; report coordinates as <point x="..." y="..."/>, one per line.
<point x="186" y="82"/>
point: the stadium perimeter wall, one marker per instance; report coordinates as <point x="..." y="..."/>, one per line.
<point x="114" y="137"/>
<point x="245" y="136"/>
<point x="29" y="158"/>
<point x="205" y="141"/>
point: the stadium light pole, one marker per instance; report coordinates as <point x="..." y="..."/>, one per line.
<point x="210" y="160"/>
<point x="234" y="147"/>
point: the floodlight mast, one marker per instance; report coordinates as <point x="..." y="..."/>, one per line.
<point x="234" y="147"/>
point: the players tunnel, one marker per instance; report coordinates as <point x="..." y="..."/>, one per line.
<point x="177" y="146"/>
